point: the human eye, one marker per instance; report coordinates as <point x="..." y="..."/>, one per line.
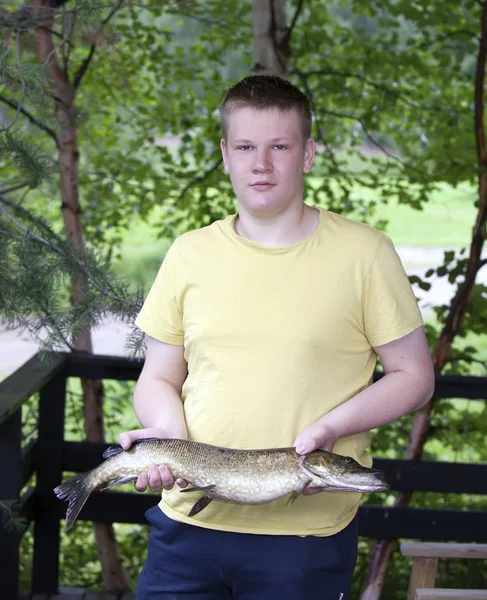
<point x="244" y="147"/>
<point x="280" y="147"/>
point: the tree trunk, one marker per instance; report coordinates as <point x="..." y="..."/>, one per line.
<point x="64" y="95"/>
<point x="454" y="321"/>
<point x="271" y="39"/>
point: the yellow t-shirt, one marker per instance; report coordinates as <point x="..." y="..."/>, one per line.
<point x="275" y="337"/>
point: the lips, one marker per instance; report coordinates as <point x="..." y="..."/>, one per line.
<point x="262" y="185"/>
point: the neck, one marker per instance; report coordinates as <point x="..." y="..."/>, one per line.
<point x="283" y="229"/>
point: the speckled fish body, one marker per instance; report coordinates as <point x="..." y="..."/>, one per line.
<point x="244" y="476"/>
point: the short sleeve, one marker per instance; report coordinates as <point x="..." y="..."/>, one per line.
<point x="160" y="316"/>
<point x="390" y="309"/>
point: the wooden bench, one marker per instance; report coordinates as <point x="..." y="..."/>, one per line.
<point x="425" y="564"/>
<point x="450" y="594"/>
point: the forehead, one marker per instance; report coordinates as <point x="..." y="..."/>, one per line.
<point x="251" y="123"/>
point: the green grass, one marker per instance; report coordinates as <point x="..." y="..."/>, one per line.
<point x="141" y="252"/>
<point x="446" y="220"/>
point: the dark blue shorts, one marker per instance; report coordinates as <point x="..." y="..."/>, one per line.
<point x="189" y="562"/>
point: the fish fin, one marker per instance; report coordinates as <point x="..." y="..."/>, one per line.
<point x="119" y="481"/>
<point x="196" y="488"/>
<point x="199" y="506"/>
<point x="76" y="490"/>
<point x="298" y="493"/>
<point x="114" y="450"/>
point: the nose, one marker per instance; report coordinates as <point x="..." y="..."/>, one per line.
<point x="262" y="162"/>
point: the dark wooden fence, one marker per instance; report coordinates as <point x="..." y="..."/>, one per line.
<point x="49" y="455"/>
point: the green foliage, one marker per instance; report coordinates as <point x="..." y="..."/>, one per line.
<point x="35" y="299"/>
<point x="391" y="86"/>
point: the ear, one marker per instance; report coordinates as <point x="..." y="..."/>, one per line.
<point x="309" y="155"/>
<point x="223" y="148"/>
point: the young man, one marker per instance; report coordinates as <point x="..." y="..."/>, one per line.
<point x="268" y="324"/>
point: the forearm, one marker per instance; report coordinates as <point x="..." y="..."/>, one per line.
<point x="396" y="394"/>
<point x="157" y="403"/>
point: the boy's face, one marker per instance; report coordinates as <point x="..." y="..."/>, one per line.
<point x="266" y="156"/>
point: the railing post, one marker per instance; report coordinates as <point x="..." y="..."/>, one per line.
<point x="10" y="434"/>
<point x="45" y="572"/>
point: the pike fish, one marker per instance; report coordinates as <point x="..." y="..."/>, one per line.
<point x="243" y="476"/>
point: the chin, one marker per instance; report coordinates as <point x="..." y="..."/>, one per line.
<point x="264" y="205"/>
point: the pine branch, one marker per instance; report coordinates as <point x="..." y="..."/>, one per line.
<point x="9" y="517"/>
<point x="31" y="118"/>
<point x="55" y="247"/>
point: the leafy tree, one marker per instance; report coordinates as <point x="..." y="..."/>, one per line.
<point x="395" y="78"/>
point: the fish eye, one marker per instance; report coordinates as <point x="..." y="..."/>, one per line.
<point x="348" y="460"/>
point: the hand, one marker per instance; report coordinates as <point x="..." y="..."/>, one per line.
<point x="156" y="476"/>
<point x="313" y="437"/>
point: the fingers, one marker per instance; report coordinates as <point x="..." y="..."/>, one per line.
<point x="157" y="476"/>
<point x="142" y="482"/>
<point x="125" y="439"/>
<point x="313" y="437"/>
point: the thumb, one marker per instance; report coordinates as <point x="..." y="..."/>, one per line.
<point x="306" y="443"/>
<point x="311" y="439"/>
<point x="127" y="438"/>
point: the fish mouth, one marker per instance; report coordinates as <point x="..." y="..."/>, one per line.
<point x="371" y="484"/>
<point x="368" y="480"/>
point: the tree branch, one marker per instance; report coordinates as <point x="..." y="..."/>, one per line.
<point x="328" y="147"/>
<point x="376" y="85"/>
<point x="14" y="188"/>
<point x="291" y="27"/>
<point x="444" y="37"/>
<point x="374" y="141"/>
<point x="84" y="67"/>
<point x="200" y="179"/>
<point x="31" y="118"/>
<point x="86" y="63"/>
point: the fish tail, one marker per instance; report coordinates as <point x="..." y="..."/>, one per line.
<point x="76" y="491"/>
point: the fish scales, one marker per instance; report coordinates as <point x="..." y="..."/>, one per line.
<point x="243" y="476"/>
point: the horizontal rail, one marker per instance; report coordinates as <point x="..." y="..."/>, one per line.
<point x="403" y="475"/>
<point x="426" y="524"/>
<point x="16" y="389"/>
<point x="98" y="366"/>
<point x="434" y="476"/>
<point x="374" y="521"/>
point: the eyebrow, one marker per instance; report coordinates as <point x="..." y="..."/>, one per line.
<point x="273" y="141"/>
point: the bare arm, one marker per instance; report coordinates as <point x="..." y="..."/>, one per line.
<point x="158" y="406"/>
<point x="407" y="386"/>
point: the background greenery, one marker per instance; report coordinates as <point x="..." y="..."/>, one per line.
<point x="391" y="83"/>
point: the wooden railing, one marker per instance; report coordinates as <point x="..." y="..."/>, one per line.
<point x="49" y="455"/>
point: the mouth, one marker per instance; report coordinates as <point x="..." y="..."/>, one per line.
<point x="262" y="186"/>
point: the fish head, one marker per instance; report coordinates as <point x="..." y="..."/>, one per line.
<point x="334" y="472"/>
